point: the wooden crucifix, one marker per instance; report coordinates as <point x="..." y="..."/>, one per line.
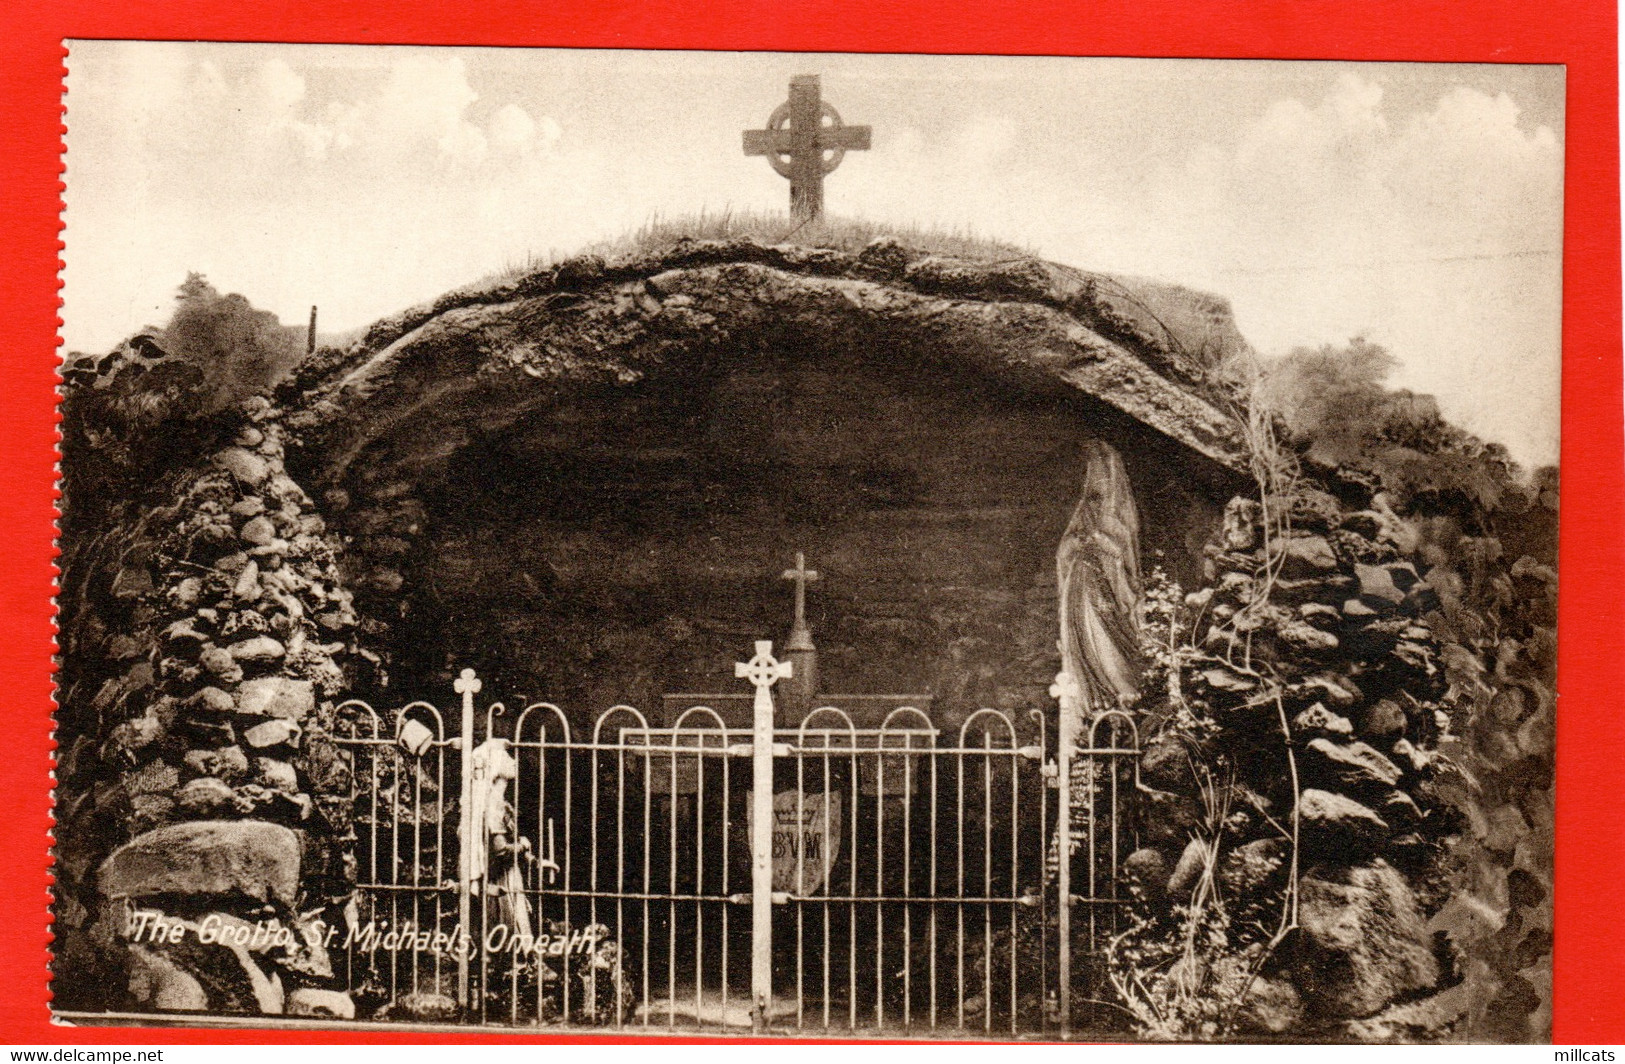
<point x="804" y="140"/>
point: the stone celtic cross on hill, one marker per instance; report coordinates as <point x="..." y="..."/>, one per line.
<point x="797" y="139"/>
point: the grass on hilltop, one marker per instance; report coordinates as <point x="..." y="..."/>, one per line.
<point x="769" y="227"/>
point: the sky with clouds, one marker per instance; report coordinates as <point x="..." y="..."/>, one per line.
<point x="1418" y="205"/>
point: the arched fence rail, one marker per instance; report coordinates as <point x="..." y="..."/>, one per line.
<point x="514" y="870"/>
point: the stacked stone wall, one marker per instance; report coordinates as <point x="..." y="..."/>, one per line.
<point x="1310" y="708"/>
<point x="201" y="786"/>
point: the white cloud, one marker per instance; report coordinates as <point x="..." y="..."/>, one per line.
<point x="1434" y="235"/>
<point x="369" y="179"/>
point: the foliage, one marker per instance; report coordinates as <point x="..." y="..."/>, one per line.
<point x="240" y="351"/>
<point x="1334" y="408"/>
<point x="1182" y="971"/>
<point x="163" y="397"/>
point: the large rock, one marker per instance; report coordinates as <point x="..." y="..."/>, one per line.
<point x="1361" y="941"/>
<point x="258" y="531"/>
<point x="1165" y="763"/>
<point x="310" y="1001"/>
<point x="1304" y="556"/>
<point x="260" y="648"/>
<point x="157" y="982"/>
<point x="248" y="858"/>
<point x="277" y="696"/>
<point x="1333" y="824"/>
<point x="1377" y="585"/>
<point x="206" y="796"/>
<point x="1356" y="768"/>
<point x="1318" y="720"/>
<point x="1147" y="869"/>
<point x="245" y="465"/>
<point x="274" y="731"/>
<point x="1187" y="870"/>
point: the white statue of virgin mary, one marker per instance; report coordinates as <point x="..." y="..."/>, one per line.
<point x="1098" y="568"/>
<point x="492" y="856"/>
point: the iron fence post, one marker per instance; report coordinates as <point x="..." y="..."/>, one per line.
<point x="1067" y="691"/>
<point x="763" y="672"/>
<point x="467" y="685"/>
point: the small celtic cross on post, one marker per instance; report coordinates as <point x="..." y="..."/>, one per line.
<point x="804" y="140"/>
<point x="763" y="670"/>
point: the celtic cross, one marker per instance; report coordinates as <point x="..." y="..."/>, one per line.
<point x="763" y="670"/>
<point x="804" y="140"/>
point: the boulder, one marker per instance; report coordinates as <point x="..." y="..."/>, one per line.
<point x="1383" y="719"/>
<point x="258" y="649"/>
<point x="276" y="775"/>
<point x="310" y="1001"/>
<point x="1318" y="720"/>
<point x="1334" y="692"/>
<point x="257" y="531"/>
<point x="155" y="777"/>
<point x="1355" y="610"/>
<point x="1332" y="823"/>
<point x="1170" y="819"/>
<point x="159" y="983"/>
<point x="228" y="763"/>
<point x="1306" y="638"/>
<point x="220" y="664"/>
<point x="1353" y="767"/>
<point x="1187" y="870"/>
<point x="211" y="702"/>
<point x="132" y="582"/>
<point x="1329" y="589"/>
<point x="277" y="696"/>
<point x="1272" y="1006"/>
<point x="1410" y="759"/>
<point x="249" y="858"/>
<point x="1148" y="869"/>
<point x="243" y="464"/>
<point x="1320" y="614"/>
<point x="186" y="592"/>
<point x="1361" y="941"/>
<point x="1377" y="585"/>
<point x="1400" y="810"/>
<point x="1367" y="523"/>
<point x="1307" y="508"/>
<point x="1304" y="556"/>
<point x="247" y="585"/>
<point x="1223" y="679"/>
<point x="206" y="797"/>
<point x="1165" y="763"/>
<point x="274" y="731"/>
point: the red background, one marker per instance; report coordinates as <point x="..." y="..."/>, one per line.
<point x="1589" y="986"/>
